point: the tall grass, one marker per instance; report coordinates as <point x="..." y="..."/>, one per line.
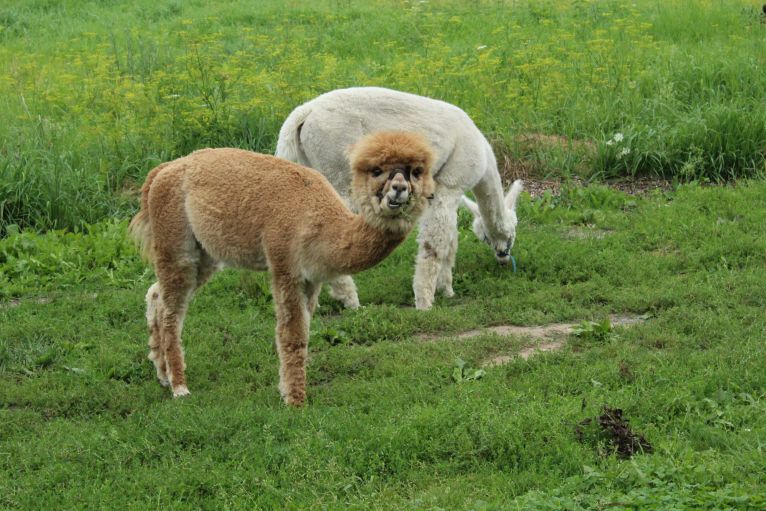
<point x="95" y="95"/>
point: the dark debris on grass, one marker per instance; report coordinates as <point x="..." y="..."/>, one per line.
<point x="612" y="428"/>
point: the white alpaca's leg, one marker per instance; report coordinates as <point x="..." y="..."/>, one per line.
<point x="426" y="273"/>
<point x="343" y="288"/>
<point x="444" y="280"/>
<point x="292" y="338"/>
<point x="436" y="239"/>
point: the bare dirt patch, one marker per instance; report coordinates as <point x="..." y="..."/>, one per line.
<point x="585" y="233"/>
<point x="550" y="337"/>
<point x="14" y="302"/>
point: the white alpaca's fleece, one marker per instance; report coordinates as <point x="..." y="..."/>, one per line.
<point x="318" y="133"/>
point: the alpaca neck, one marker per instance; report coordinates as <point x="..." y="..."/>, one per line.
<point x="491" y="201"/>
<point x="361" y="243"/>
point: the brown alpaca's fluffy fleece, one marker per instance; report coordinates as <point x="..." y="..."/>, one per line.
<point x="237" y="208"/>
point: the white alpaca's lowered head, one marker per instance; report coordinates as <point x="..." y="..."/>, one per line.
<point x="502" y="240"/>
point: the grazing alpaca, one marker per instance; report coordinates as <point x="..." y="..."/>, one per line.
<point x="238" y="208"/>
<point x="316" y="133"/>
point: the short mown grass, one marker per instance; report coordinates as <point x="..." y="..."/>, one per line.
<point x="93" y="95"/>
<point x="84" y="423"/>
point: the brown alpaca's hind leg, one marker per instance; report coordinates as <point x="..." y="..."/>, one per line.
<point x="292" y="338"/>
<point x="177" y="285"/>
<point x="181" y="267"/>
<point x="155" y="314"/>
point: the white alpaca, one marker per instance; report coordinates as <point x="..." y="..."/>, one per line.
<point x="317" y="133"/>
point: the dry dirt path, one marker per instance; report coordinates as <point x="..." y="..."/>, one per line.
<point x="549" y="337"/>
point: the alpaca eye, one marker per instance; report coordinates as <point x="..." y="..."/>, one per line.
<point x="417" y="173"/>
<point x="376" y="172"/>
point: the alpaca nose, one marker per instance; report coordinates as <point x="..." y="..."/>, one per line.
<point x="399" y="185"/>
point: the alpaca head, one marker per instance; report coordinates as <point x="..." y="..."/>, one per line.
<point x="392" y="180"/>
<point x="502" y="237"/>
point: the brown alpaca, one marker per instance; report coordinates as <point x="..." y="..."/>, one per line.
<point x="237" y="208"/>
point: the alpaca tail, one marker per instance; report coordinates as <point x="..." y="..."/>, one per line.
<point x="289" y="143"/>
<point x="140" y="228"/>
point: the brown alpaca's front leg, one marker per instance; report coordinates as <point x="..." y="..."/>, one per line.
<point x="292" y="338"/>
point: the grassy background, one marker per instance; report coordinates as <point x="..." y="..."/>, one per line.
<point x="84" y="424"/>
<point x="94" y="94"/>
<point x="97" y="93"/>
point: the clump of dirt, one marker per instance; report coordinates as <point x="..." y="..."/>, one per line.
<point x="614" y="430"/>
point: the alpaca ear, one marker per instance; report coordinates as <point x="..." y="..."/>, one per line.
<point x="513" y="194"/>
<point x="472" y="206"/>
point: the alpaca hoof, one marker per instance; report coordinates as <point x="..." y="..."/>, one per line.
<point x="351" y="302"/>
<point x="448" y="292"/>
<point x="423" y="305"/>
<point x="180" y="391"/>
<point x="294" y="401"/>
<point x="164" y="381"/>
<point x="294" y="397"/>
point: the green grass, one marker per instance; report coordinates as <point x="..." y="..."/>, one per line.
<point x="95" y="94"/>
<point x="84" y="424"/>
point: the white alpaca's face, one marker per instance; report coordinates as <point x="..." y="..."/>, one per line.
<point x="503" y="236"/>
<point x="501" y="244"/>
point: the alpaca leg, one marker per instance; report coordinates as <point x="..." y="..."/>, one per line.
<point x="153" y="315"/>
<point x="187" y="279"/>
<point x="436" y="238"/>
<point x="311" y="293"/>
<point x="176" y="291"/>
<point x="181" y="266"/>
<point x="343" y="288"/>
<point x="292" y="339"/>
<point x="426" y="273"/>
<point x="155" y="318"/>
<point x="444" y="280"/>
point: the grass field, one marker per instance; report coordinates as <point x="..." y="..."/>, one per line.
<point x="95" y="94"/>
<point x="84" y="424"/>
<point x="401" y="413"/>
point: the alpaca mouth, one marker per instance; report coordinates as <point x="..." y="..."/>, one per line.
<point x="395" y="205"/>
